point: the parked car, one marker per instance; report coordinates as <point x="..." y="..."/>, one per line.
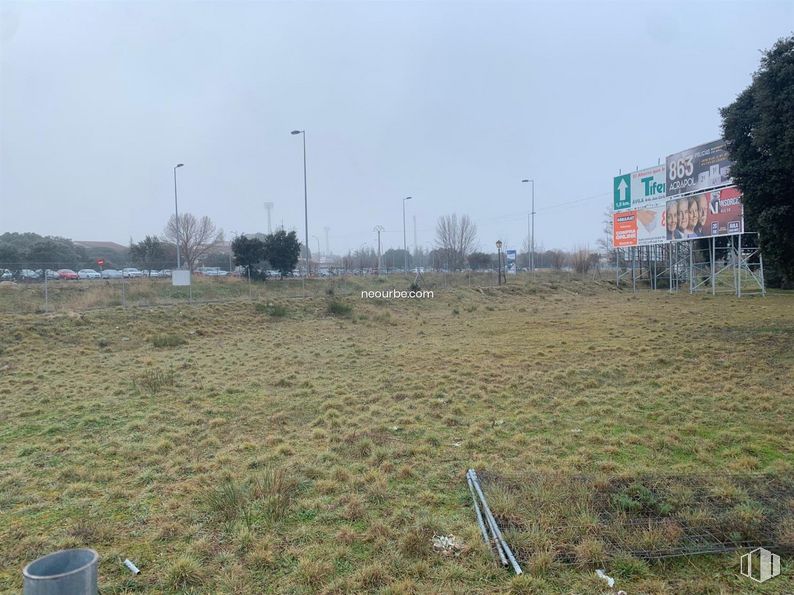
<point x="131" y="273"/>
<point x="165" y="273"/>
<point x="6" y="275"/>
<point x="111" y="274"/>
<point x="51" y="274"/>
<point x="88" y="274"/>
<point x="211" y="272"/>
<point x="28" y="275"/>
<point x="66" y="274"/>
<point x="154" y="274"/>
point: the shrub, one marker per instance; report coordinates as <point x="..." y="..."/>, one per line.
<point x="153" y="381"/>
<point x="627" y="567"/>
<point x="274" y="310"/>
<point x="589" y="553"/>
<point x="339" y="308"/>
<point x="184" y="572"/>
<point x="168" y="340"/>
<point x="528" y="585"/>
<point x="227" y="501"/>
<point x="637" y="498"/>
<point x="268" y="495"/>
<point x="276" y="490"/>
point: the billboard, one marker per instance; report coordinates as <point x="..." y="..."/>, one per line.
<point x="510" y="262"/>
<point x="698" y="168"/>
<point x="180" y="277"/>
<point x="639" y="205"/>
<point x="705" y="215"/>
<point x="624" y="229"/>
<point x="639" y="189"/>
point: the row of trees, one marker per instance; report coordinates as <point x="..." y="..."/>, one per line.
<point x="33" y="251"/>
<point x="278" y="251"/>
<point x="366" y="259"/>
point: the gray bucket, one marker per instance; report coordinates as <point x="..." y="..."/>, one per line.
<point x="67" y="572"/>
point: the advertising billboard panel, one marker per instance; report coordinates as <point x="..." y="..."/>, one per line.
<point x="624" y="229"/>
<point x="704" y="215"/>
<point x="639" y="189"/>
<point x="510" y="262"/>
<point x="698" y="168"/>
<point x="639" y="200"/>
<point x="180" y="277"/>
<point x="639" y="227"/>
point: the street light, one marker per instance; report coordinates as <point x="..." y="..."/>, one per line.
<point x="379" y="228"/>
<point x="176" y="213"/>
<point x="499" y="261"/>
<point x="405" y="244"/>
<point x="532" y="235"/>
<point x="305" y="206"/>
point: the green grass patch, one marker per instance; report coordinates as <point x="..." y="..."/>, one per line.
<point x="168" y="340"/>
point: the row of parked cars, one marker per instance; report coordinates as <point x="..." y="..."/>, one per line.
<point x="67" y="274"/>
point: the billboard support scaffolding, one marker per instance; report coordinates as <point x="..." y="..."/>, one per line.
<point x="733" y="268"/>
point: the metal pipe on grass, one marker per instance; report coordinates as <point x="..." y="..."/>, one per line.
<point x="478" y="513"/>
<point x="494" y="526"/>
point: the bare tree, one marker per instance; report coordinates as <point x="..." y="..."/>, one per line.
<point x="558" y="259"/>
<point x="196" y="237"/>
<point x="456" y="237"/>
<point x="583" y="260"/>
<point x="605" y="242"/>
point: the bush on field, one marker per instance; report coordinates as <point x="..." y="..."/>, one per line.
<point x="274" y="310"/>
<point x="339" y="308"/>
<point x="153" y="381"/>
<point x="267" y="496"/>
<point x="168" y="340"/>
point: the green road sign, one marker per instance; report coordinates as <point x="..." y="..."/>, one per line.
<point x="621" y="192"/>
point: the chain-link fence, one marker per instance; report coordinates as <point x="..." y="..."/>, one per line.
<point x="47" y="289"/>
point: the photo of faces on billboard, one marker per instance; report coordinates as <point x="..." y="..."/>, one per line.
<point x="704" y="215"/>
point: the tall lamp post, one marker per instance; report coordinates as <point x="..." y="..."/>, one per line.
<point x="405" y="244"/>
<point x="532" y="233"/>
<point x="379" y="228"/>
<point x="499" y="261"/>
<point x="305" y="205"/>
<point x="176" y="218"/>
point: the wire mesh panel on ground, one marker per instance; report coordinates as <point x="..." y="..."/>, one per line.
<point x="584" y="520"/>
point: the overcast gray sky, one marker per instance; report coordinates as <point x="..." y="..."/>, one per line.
<point x="452" y="103"/>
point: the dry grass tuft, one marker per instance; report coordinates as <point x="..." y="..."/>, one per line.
<point x="183" y="573"/>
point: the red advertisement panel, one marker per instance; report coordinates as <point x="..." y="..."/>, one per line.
<point x="624" y="229"/>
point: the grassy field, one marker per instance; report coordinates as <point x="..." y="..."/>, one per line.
<point x="318" y="445"/>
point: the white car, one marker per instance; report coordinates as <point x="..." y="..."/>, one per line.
<point x="88" y="274"/>
<point x="211" y="271"/>
<point x="111" y="274"/>
<point x="131" y="273"/>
